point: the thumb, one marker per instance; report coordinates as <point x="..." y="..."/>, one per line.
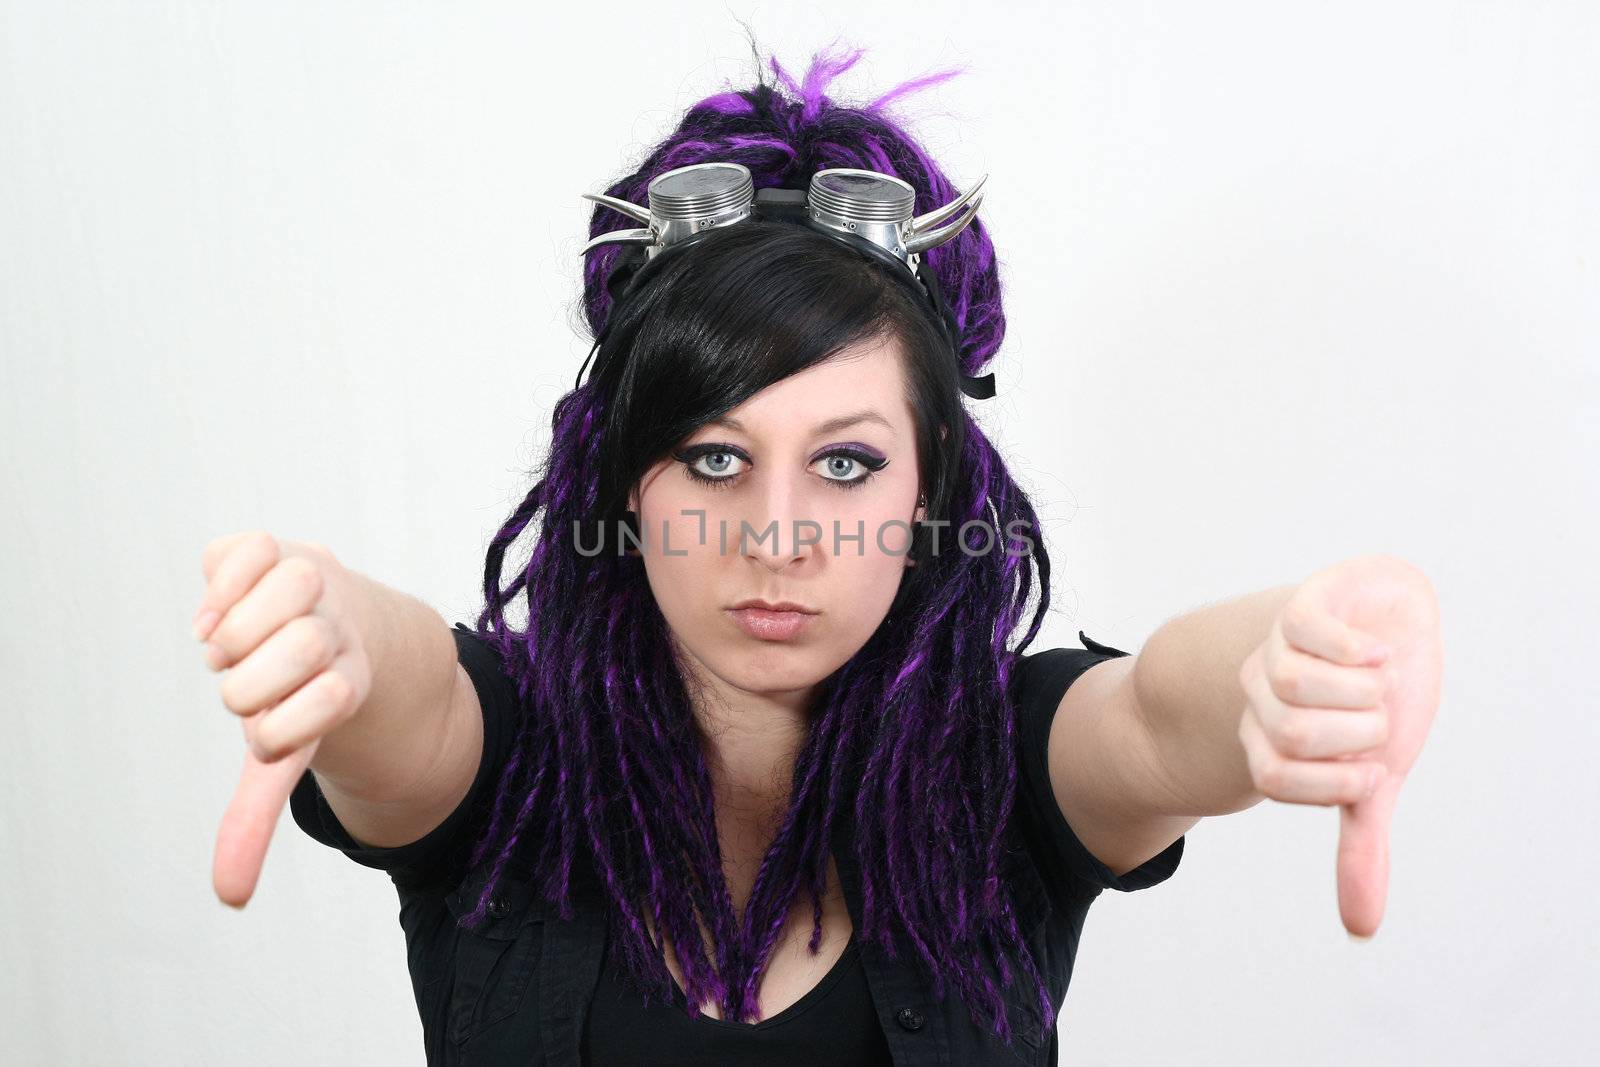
<point x="251" y="816"/>
<point x="1363" y="865"/>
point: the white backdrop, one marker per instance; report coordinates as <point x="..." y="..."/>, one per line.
<point x="1285" y="283"/>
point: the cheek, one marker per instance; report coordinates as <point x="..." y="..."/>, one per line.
<point x="676" y="561"/>
<point x="866" y="576"/>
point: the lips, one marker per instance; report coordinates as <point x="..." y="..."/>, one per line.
<point x="768" y="621"/>
<point x="767" y="605"/>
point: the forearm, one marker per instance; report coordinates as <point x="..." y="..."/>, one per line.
<point x="1187" y="682"/>
<point x="393" y="738"/>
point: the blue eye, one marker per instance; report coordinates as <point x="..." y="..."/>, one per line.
<point x="847" y="464"/>
<point x="710" y="464"/>
<point x="718" y="465"/>
<point x="844" y="460"/>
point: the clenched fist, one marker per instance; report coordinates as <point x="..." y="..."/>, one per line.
<point x="1341" y="696"/>
<point x="295" y="669"/>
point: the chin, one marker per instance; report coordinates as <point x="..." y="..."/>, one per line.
<point x="772" y="667"/>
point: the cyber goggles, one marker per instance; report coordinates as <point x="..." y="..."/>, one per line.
<point x="865" y="209"/>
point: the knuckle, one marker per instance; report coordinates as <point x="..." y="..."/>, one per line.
<point x="1248" y="672"/>
<point x="1288" y="681"/>
<point x="221" y="635"/>
<point x="267" y="748"/>
<point x="1295" y="736"/>
<point x="304" y="574"/>
<point x="228" y="692"/>
<point x="1380" y="731"/>
<point x="319" y="548"/>
<point x="311" y="642"/>
<point x="1297" y="615"/>
<point x="1273" y="778"/>
<point x="217" y="542"/>
<point x="260" y="541"/>
<point x="1355" y="786"/>
<point x="338" y="690"/>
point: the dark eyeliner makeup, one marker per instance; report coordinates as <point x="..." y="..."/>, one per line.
<point x="866" y="457"/>
<point x="871" y="461"/>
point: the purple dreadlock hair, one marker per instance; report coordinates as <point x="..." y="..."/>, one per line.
<point x="607" y="772"/>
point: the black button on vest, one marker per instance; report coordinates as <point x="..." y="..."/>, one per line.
<point x="910" y="1018"/>
<point x="498" y="908"/>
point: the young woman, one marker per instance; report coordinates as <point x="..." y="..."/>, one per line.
<point x="765" y="774"/>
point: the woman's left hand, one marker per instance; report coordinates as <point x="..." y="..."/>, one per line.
<point x="1327" y="711"/>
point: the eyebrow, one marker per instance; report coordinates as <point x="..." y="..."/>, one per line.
<point x="833" y="425"/>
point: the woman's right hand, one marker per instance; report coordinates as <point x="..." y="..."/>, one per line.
<point x="296" y="669"/>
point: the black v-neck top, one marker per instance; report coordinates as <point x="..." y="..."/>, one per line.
<point x="833" y="1023"/>
<point x="531" y="986"/>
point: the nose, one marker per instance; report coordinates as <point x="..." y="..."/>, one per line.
<point x="780" y="533"/>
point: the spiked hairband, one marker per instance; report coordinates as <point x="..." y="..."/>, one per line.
<point x="864" y="209"/>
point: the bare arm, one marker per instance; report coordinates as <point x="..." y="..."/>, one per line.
<point x="1106" y="773"/>
<point x="408" y="756"/>
<point x="1144" y="746"/>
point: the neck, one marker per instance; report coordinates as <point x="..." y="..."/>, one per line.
<point x="751" y="742"/>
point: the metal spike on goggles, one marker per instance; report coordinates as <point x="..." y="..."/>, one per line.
<point x="863" y="208"/>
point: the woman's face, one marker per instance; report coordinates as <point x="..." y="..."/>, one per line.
<point x="766" y="504"/>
